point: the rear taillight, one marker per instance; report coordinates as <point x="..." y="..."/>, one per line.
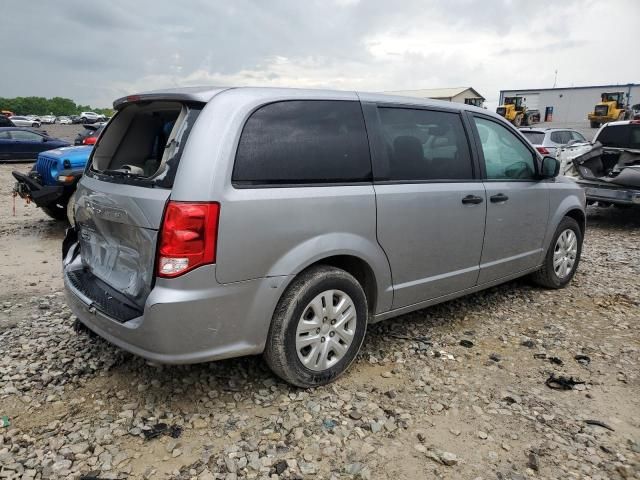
<point x="188" y="237"/>
<point x="90" y="140"/>
<point x="543" y="150"/>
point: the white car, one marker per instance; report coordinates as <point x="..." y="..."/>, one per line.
<point x="64" y="121"/>
<point x="548" y="140"/>
<point x="91" y="117"/>
<point x="19" y="121"/>
<point x="49" y="119"/>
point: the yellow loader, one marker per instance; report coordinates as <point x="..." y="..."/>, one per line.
<point x="513" y="110"/>
<point x="612" y="107"/>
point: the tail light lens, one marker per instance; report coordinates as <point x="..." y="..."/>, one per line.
<point x="90" y="140"/>
<point x="188" y="237"/>
<point x="543" y="150"/>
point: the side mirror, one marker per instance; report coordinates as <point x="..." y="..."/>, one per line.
<point x="550" y="167"/>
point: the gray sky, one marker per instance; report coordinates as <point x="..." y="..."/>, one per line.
<point x="96" y="51"/>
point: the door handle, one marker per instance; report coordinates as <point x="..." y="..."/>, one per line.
<point x="472" y="199"/>
<point x="499" y="198"/>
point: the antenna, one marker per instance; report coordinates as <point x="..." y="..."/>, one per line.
<point x="555" y="79"/>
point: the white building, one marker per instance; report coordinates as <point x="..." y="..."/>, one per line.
<point x="457" y="94"/>
<point x="570" y="104"/>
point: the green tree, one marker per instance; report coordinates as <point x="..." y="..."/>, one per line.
<point x="57" y="106"/>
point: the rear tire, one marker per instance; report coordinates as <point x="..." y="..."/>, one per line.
<point x="561" y="261"/>
<point x="305" y="327"/>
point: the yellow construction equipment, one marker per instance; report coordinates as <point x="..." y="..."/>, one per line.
<point x="513" y="110"/>
<point x="612" y="107"/>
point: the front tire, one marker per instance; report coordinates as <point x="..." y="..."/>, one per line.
<point x="563" y="256"/>
<point x="595" y="124"/>
<point x="317" y="328"/>
<point x="518" y="120"/>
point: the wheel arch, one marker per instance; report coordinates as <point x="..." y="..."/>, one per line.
<point x="579" y="216"/>
<point x="359" y="269"/>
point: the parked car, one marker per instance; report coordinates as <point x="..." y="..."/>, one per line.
<point x="609" y="168"/>
<point x="75" y="119"/>
<point x="65" y="121"/>
<point x="635" y="112"/>
<point x="548" y="140"/>
<point x="53" y="178"/>
<point x="6" y="122"/>
<point x="89" y="135"/>
<point x="91" y="117"/>
<point x="20" y="121"/>
<point x="213" y="223"/>
<point x="48" y="119"/>
<point x="25" y="144"/>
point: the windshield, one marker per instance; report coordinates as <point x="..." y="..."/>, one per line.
<point x="143" y="143"/>
<point x="536" y="138"/>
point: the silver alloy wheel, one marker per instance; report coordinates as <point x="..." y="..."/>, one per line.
<point x="565" y="253"/>
<point x="325" y="330"/>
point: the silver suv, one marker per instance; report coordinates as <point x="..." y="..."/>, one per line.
<point x="214" y="223"/>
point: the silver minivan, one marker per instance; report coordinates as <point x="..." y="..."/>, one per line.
<point x="218" y="222"/>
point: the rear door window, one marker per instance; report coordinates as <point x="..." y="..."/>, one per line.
<point x="143" y="143"/>
<point x="425" y="145"/>
<point x="303" y="142"/>
<point x="25" y="136"/>
<point x="561" y="137"/>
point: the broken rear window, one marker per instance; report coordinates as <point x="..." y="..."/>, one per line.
<point x="143" y="143"/>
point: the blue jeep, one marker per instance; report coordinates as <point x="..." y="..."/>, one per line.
<point x="53" y="179"/>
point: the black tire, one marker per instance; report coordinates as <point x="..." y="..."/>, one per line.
<point x="280" y="352"/>
<point x="518" y="120"/>
<point x="594" y="124"/>
<point x="546" y="276"/>
<point x="56" y="212"/>
<point x="34" y="125"/>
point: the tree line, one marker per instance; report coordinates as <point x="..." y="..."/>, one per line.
<point x="57" y="106"/>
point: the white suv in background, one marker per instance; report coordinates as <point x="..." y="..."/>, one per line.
<point x="548" y="141"/>
<point x="91" y="117"/>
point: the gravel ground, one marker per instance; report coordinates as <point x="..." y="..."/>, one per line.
<point x="456" y="391"/>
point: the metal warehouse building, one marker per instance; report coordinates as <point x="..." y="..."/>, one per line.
<point x="571" y="104"/>
<point x="466" y="95"/>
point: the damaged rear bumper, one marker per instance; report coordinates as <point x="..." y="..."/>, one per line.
<point x="188" y="319"/>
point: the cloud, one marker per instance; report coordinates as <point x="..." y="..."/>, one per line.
<point x="96" y="52"/>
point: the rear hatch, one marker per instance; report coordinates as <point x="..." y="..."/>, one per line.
<point x="121" y="200"/>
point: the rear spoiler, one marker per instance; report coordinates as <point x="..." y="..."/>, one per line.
<point x="195" y="95"/>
